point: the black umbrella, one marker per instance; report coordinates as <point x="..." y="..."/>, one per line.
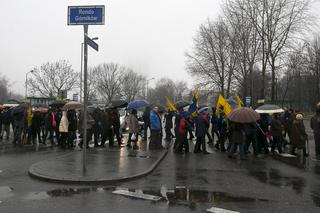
<point x="20" y="108"/>
<point x="57" y="104"/>
<point x="181" y="104"/>
<point x="118" y="104"/>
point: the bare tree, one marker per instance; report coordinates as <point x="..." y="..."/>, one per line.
<point x="213" y="59"/>
<point x="52" y="78"/>
<point x="245" y="40"/>
<point x="132" y="85"/>
<point x="109" y="81"/>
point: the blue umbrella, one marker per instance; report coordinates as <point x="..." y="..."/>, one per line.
<point x="138" y="104"/>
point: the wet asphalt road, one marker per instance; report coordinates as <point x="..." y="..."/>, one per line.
<point x="186" y="183"/>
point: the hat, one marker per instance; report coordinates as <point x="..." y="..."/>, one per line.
<point x="299" y="117"/>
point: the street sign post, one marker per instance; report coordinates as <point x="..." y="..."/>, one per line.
<point x="92" y="44"/>
<point x="86" y="15"/>
<point x="248" y="101"/>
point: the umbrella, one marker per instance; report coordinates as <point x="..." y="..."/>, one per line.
<point x="20" y="108"/>
<point x="269" y="109"/>
<point x="243" y="115"/>
<point x="39" y="106"/>
<point x="72" y="105"/>
<point x="203" y="109"/>
<point x="118" y="104"/>
<point x="181" y="104"/>
<point x="137" y="104"/>
<point x="57" y="104"/>
<point x="40" y="109"/>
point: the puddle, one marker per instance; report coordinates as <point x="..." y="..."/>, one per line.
<point x="5" y="192"/>
<point x="36" y="196"/>
<point x="275" y="178"/>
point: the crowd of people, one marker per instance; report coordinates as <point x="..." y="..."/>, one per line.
<point x="60" y="127"/>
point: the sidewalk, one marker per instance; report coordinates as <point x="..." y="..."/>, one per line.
<point x="104" y="165"/>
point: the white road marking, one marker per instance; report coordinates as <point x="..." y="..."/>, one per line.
<point x="136" y="195"/>
<point x="219" y="210"/>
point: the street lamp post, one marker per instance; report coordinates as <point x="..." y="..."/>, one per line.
<point x="147" y="86"/>
<point x="81" y="72"/>
<point x="26" y="89"/>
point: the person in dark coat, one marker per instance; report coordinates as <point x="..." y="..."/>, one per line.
<point x="107" y="131"/>
<point x="182" y="136"/>
<point x="287" y="121"/>
<point x="97" y="116"/>
<point x="276" y="131"/>
<point x="115" y="120"/>
<point x="19" y="120"/>
<point x="201" y="129"/>
<point x="57" y="116"/>
<point x="262" y="130"/>
<point x="72" y="129"/>
<point x="176" y="128"/>
<point x="146" y="120"/>
<point x="250" y="138"/>
<point x="169" y="125"/>
<point x="214" y="126"/>
<point x="315" y="125"/>
<point x="6" y="121"/>
<point x="90" y="122"/>
<point x="35" y="127"/>
<point x="222" y="127"/>
<point x="298" y="135"/>
<point x="48" y="123"/>
<point x="237" y="139"/>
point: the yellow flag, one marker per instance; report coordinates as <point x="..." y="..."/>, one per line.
<point x="240" y="103"/>
<point x="170" y="105"/>
<point x="223" y="103"/>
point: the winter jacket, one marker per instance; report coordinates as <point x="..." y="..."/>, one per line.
<point x="237" y="133"/>
<point x="72" y="118"/>
<point x="155" y="121"/>
<point x="315" y="123"/>
<point x="276" y="127"/>
<point x="64" y="123"/>
<point x="201" y="126"/>
<point x="298" y="135"/>
<point x="133" y="124"/>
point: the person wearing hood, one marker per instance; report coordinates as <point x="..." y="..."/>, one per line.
<point x="63" y="129"/>
<point x="315" y="125"/>
<point x="298" y="135"/>
<point x="182" y="133"/>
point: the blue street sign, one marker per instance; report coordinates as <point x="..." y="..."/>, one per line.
<point x="248" y="101"/>
<point x="86" y="15"/>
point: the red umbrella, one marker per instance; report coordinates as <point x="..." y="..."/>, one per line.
<point x="243" y="115"/>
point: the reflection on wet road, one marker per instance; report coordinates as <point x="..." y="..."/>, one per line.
<point x="275" y="178"/>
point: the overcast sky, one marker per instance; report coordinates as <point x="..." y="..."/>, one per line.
<point x="150" y="36"/>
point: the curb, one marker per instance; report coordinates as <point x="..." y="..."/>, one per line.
<point x="34" y="174"/>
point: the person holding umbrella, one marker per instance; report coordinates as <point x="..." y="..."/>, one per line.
<point x="133" y="129"/>
<point x="35" y="127"/>
<point x="237" y="139"/>
<point x="239" y="117"/>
